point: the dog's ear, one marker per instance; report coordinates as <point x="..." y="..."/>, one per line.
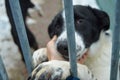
<point x="103" y="19"/>
<point x="55" y="26"/>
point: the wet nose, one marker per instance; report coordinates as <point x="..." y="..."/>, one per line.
<point x="62" y="47"/>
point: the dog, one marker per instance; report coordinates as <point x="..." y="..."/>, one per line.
<point x="25" y="5"/>
<point x="92" y="35"/>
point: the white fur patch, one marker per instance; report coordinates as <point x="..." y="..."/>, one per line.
<point x="99" y="57"/>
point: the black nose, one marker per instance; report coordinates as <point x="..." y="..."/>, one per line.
<point x="62" y="47"/>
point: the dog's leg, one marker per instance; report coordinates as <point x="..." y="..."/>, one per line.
<point x="39" y="56"/>
<point x="59" y="70"/>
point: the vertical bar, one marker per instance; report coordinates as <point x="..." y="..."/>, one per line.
<point x="3" y="73"/>
<point x="69" y="19"/>
<point x="116" y="43"/>
<point x="20" y="27"/>
<point x="118" y="76"/>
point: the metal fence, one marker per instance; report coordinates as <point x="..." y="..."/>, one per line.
<point x="116" y="44"/>
<point x="20" y="27"/>
<point x="69" y="19"/>
<point x="70" y="29"/>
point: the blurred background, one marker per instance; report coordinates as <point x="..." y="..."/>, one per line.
<point x="37" y="22"/>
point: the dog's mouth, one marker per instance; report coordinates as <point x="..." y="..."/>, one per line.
<point x="64" y="52"/>
<point x="79" y="54"/>
<point x="66" y="57"/>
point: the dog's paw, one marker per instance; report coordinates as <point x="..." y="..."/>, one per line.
<point x="39" y="56"/>
<point x="58" y="70"/>
<point x="52" y="70"/>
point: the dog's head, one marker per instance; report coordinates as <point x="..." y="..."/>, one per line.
<point x="89" y="23"/>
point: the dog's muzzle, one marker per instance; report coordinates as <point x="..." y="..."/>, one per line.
<point x="62" y="48"/>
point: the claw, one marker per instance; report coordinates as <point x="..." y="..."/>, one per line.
<point x="57" y="74"/>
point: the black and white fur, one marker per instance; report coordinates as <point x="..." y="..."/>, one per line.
<point x="91" y="35"/>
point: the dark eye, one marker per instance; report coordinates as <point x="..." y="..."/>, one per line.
<point x="79" y="21"/>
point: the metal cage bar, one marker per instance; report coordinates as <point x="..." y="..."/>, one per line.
<point x="3" y="73"/>
<point x="69" y="19"/>
<point x="116" y="43"/>
<point x="20" y="27"/>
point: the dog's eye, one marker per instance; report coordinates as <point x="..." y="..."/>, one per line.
<point x="79" y="21"/>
